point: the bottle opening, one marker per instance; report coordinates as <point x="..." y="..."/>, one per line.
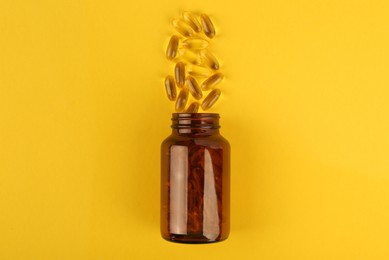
<point x="195" y="121"/>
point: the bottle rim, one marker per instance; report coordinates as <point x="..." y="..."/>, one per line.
<point x="195" y="120"/>
<point x="195" y="115"/>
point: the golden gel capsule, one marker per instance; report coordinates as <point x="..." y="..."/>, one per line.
<point x="199" y="71"/>
<point x="208" y="27"/>
<point x="211" y="99"/>
<point x="192" y="21"/>
<point x="191" y="57"/>
<point x="182" y="27"/>
<point x="194" y="87"/>
<point x="179" y="72"/>
<point x="170" y="86"/>
<point x="181" y="100"/>
<point x="172" y="47"/>
<point x="195" y="43"/>
<point x="212" y="81"/>
<point x="210" y="59"/>
<point x="193" y="108"/>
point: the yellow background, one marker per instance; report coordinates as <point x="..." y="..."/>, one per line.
<point x="83" y="112"/>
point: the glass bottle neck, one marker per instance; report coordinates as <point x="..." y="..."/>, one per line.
<point x="195" y="123"/>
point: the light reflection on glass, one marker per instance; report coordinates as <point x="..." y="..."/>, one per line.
<point x="210" y="213"/>
<point x="178" y="189"/>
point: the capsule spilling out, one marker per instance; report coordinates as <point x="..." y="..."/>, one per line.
<point x="182" y="99"/>
<point x="195" y="43"/>
<point x="208" y="27"/>
<point x="194" y="87"/>
<point x="190" y="56"/>
<point x="191" y="19"/>
<point x="199" y="71"/>
<point x="193" y="108"/>
<point x="196" y="68"/>
<point x="182" y="27"/>
<point x="211" y="99"/>
<point x="179" y="73"/>
<point x="170" y="86"/>
<point x="212" y="81"/>
<point x="172" y="47"/>
<point x="210" y="59"/>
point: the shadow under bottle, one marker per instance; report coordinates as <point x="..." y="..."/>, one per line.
<point x="195" y="180"/>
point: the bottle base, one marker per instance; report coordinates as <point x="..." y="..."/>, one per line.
<point x="192" y="239"/>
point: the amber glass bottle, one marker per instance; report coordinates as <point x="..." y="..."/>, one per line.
<point x="195" y="180"/>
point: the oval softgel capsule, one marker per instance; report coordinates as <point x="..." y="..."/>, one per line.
<point x="194" y="87"/>
<point x="179" y="73"/>
<point x="212" y="81"/>
<point x="193" y="108"/>
<point x="172" y="47"/>
<point x="211" y="99"/>
<point x="170" y="86"/>
<point x="182" y="99"/>
<point x="208" y="27"/>
<point x="192" y="20"/>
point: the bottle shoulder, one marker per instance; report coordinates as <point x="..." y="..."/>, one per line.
<point x="215" y="140"/>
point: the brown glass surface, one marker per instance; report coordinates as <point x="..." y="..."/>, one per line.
<point x="195" y="180"/>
